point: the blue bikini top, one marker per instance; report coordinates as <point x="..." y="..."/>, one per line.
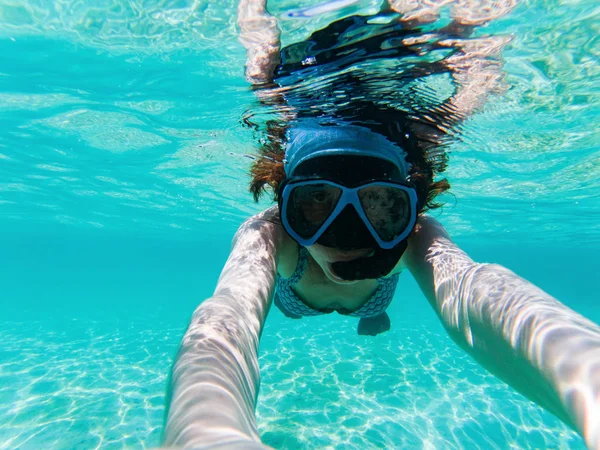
<point x="292" y="306"/>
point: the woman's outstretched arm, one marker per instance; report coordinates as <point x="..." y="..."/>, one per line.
<point x="515" y="330"/>
<point x="215" y="378"/>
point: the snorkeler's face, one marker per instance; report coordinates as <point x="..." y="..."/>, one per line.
<point x="347" y="251"/>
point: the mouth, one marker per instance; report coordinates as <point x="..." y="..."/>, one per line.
<point x="335" y="277"/>
<point x="340" y="258"/>
<point x="351" y="255"/>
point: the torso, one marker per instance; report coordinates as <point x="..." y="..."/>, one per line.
<point x="314" y="288"/>
<point x="319" y="292"/>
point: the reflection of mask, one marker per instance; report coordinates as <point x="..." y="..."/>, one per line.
<point x="348" y="232"/>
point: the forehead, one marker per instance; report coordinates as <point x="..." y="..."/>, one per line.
<point x="349" y="170"/>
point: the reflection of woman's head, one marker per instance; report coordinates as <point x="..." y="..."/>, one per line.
<point x="360" y="71"/>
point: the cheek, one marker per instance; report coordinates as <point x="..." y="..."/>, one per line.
<point x="316" y="214"/>
<point x="318" y="255"/>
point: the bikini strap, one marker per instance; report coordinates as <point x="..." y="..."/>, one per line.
<point x="381" y="298"/>
<point x="300" y="266"/>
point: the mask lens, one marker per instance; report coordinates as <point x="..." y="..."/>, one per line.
<point x="310" y="206"/>
<point x="387" y="209"/>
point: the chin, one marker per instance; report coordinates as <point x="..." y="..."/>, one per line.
<point x="378" y="265"/>
<point x="350" y="266"/>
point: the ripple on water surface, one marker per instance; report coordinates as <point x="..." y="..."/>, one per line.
<point x="152" y="93"/>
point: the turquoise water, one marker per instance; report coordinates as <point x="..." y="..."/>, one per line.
<point x="123" y="179"/>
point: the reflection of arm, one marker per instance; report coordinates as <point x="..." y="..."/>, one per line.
<point x="260" y="37"/>
<point x="476" y="68"/>
<point x="519" y="333"/>
<point x="215" y="378"/>
<point x="475" y="63"/>
<point x="470" y="13"/>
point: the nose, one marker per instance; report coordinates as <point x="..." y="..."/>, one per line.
<point x="347" y="232"/>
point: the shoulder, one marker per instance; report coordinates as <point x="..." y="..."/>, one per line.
<point x="265" y="229"/>
<point x="430" y="248"/>
<point x="264" y="226"/>
<point x="427" y="231"/>
<point x="270" y="215"/>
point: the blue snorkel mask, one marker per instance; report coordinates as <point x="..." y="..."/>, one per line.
<point x="383" y="206"/>
<point x="309" y="207"/>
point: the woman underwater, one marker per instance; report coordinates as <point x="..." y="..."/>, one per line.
<point x="352" y="180"/>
